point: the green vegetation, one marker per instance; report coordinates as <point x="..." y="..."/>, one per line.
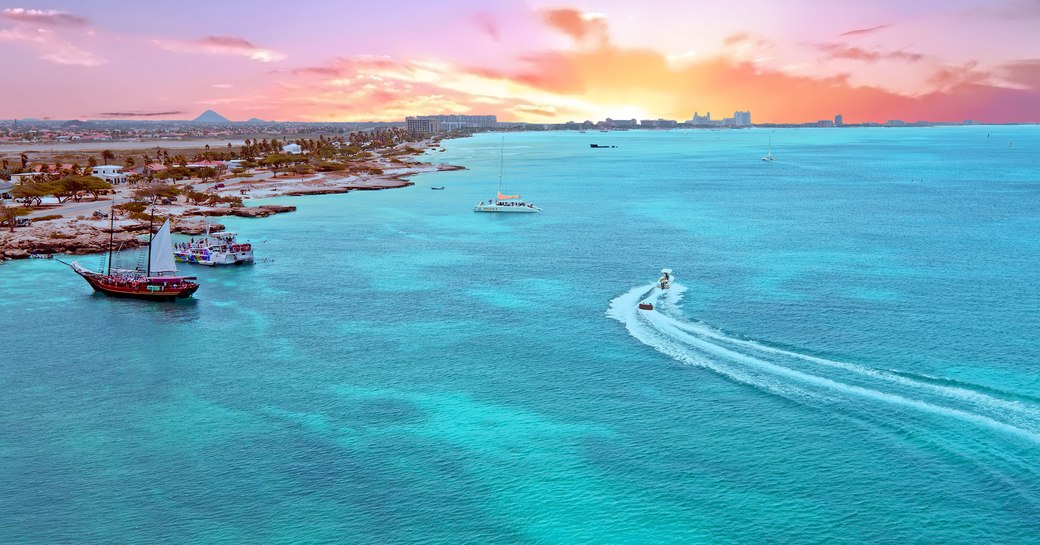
<point x="63" y="189"/>
<point x="153" y="192"/>
<point x="132" y="207"/>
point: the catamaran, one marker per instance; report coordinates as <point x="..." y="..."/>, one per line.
<point x="505" y="203"/>
<point x="769" y="156"/>
<point x="158" y="282"/>
<point x="215" y="249"/>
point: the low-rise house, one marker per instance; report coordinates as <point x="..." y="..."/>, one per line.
<point x="112" y="174"/>
<point x="151" y="169"/>
<point x="292" y="149"/>
<point x="22" y="177"/>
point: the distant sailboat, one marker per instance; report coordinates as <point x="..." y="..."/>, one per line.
<point x="769" y="156"/>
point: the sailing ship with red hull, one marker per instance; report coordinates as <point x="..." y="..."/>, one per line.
<point x="158" y="282"/>
<point x="159" y="288"/>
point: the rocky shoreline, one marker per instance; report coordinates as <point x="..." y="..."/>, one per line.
<point x="90" y="236"/>
<point x="84" y="235"/>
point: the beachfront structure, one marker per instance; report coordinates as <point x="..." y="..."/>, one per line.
<point x="425" y="124"/>
<point x="112" y="174"/>
<point x="422" y="125"/>
<point x="292" y="149"/>
<point x="620" y="123"/>
<point x="742" y="119"/>
<point x="658" y="123"/>
<point x="701" y="119"/>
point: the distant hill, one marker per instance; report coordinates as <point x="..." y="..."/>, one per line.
<point x="209" y="116"/>
<point x="254" y="120"/>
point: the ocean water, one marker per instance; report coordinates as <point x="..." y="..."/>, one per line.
<point x="850" y="356"/>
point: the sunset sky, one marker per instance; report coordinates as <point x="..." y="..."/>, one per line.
<point x="786" y="61"/>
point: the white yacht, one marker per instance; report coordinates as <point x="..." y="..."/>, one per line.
<point x="215" y="249"/>
<point x="769" y="156"/>
<point x="504" y="203"/>
<point x="510" y="204"/>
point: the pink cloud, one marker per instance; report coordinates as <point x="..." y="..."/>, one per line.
<point x="44" y="17"/>
<point x="487" y="24"/>
<point x="579" y="25"/>
<point x="53" y="48"/>
<point x="842" y="51"/>
<point x="221" y="45"/>
<point x="862" y="31"/>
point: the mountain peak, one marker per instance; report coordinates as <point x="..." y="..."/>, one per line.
<point x="209" y="116"/>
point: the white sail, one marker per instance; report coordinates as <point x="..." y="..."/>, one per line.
<point x="162" y="251"/>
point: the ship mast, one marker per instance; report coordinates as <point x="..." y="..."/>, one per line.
<point x="501" y="164"/>
<point x="111" y="233"/>
<point x="148" y="266"/>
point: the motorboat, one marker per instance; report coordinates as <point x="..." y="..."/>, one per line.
<point x="220" y="248"/>
<point x="666" y="279"/>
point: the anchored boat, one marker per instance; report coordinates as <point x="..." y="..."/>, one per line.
<point x="220" y="248"/>
<point x="158" y="282"/>
<point x="505" y="203"/>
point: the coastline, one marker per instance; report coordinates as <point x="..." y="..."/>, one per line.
<point x="81" y="234"/>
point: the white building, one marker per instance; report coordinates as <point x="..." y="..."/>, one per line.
<point x="22" y="177"/>
<point x="112" y="174"/>
<point x="292" y="149"/>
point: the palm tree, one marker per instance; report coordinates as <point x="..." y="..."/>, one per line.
<point x="130" y="162"/>
<point x="107" y="156"/>
<point x="25" y="160"/>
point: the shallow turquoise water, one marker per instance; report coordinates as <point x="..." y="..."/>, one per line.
<point x="853" y="361"/>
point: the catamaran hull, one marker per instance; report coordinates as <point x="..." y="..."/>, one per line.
<point x="507" y="209"/>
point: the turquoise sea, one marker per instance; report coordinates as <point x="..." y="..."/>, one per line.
<point x="851" y="356"/>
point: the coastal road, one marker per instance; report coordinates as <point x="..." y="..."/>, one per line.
<point x="85" y="207"/>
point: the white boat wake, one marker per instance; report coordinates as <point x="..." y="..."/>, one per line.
<point x="808" y="378"/>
